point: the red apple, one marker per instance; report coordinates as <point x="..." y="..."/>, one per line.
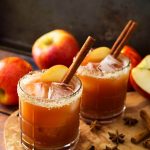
<point x="55" y="47"/>
<point x="132" y="54"/>
<point x="134" y="57"/>
<point x="11" y="70"/>
<point x="140" y="77"/>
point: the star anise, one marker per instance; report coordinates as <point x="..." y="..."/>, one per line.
<point x="95" y="126"/>
<point x="146" y="143"/>
<point x="111" y="148"/>
<point x="129" y="121"/>
<point x="92" y="147"/>
<point x="117" y="138"/>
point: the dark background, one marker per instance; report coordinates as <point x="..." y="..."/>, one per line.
<point x="23" y="21"/>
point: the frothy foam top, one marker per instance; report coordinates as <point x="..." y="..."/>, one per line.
<point x="26" y="92"/>
<point x="108" y="68"/>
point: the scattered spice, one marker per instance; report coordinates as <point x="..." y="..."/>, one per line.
<point x="146" y="143"/>
<point x="117" y="138"/>
<point x="129" y="121"/>
<point x="111" y="148"/>
<point x="92" y="147"/>
<point x="95" y="126"/>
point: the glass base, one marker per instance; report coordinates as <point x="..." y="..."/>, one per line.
<point x="70" y="146"/>
<point x="102" y="120"/>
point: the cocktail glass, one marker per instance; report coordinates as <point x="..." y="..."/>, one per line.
<point x="104" y="93"/>
<point x="45" y="123"/>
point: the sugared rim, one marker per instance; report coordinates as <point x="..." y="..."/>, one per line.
<point x="46" y="100"/>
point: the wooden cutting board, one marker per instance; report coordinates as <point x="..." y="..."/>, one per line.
<point x="99" y="139"/>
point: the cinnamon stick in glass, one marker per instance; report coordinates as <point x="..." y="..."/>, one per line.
<point x="79" y="58"/>
<point x="123" y="38"/>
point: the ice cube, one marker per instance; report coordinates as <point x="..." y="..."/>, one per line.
<point x="109" y="64"/>
<point x="93" y="68"/>
<point x="58" y="90"/>
<point x="38" y="89"/>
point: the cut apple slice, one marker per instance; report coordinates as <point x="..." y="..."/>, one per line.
<point x="140" y="77"/>
<point x="96" y="55"/>
<point x="54" y="74"/>
<point x="145" y="63"/>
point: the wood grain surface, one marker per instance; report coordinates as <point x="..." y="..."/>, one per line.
<point x="99" y="139"/>
<point x="2" y="120"/>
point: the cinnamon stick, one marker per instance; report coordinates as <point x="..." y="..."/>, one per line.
<point x="79" y="58"/>
<point x="123" y="38"/>
<point x="146" y="118"/>
<point x="144" y="134"/>
<point x="146" y="143"/>
<point x="120" y="37"/>
<point x="139" y="137"/>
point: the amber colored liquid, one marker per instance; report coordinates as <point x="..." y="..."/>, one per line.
<point x="103" y="98"/>
<point x="49" y="127"/>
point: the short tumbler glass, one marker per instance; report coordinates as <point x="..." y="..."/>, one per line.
<point x="49" y="124"/>
<point x="104" y="95"/>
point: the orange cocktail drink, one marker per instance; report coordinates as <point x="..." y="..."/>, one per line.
<point x="104" y="89"/>
<point x="49" y="112"/>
